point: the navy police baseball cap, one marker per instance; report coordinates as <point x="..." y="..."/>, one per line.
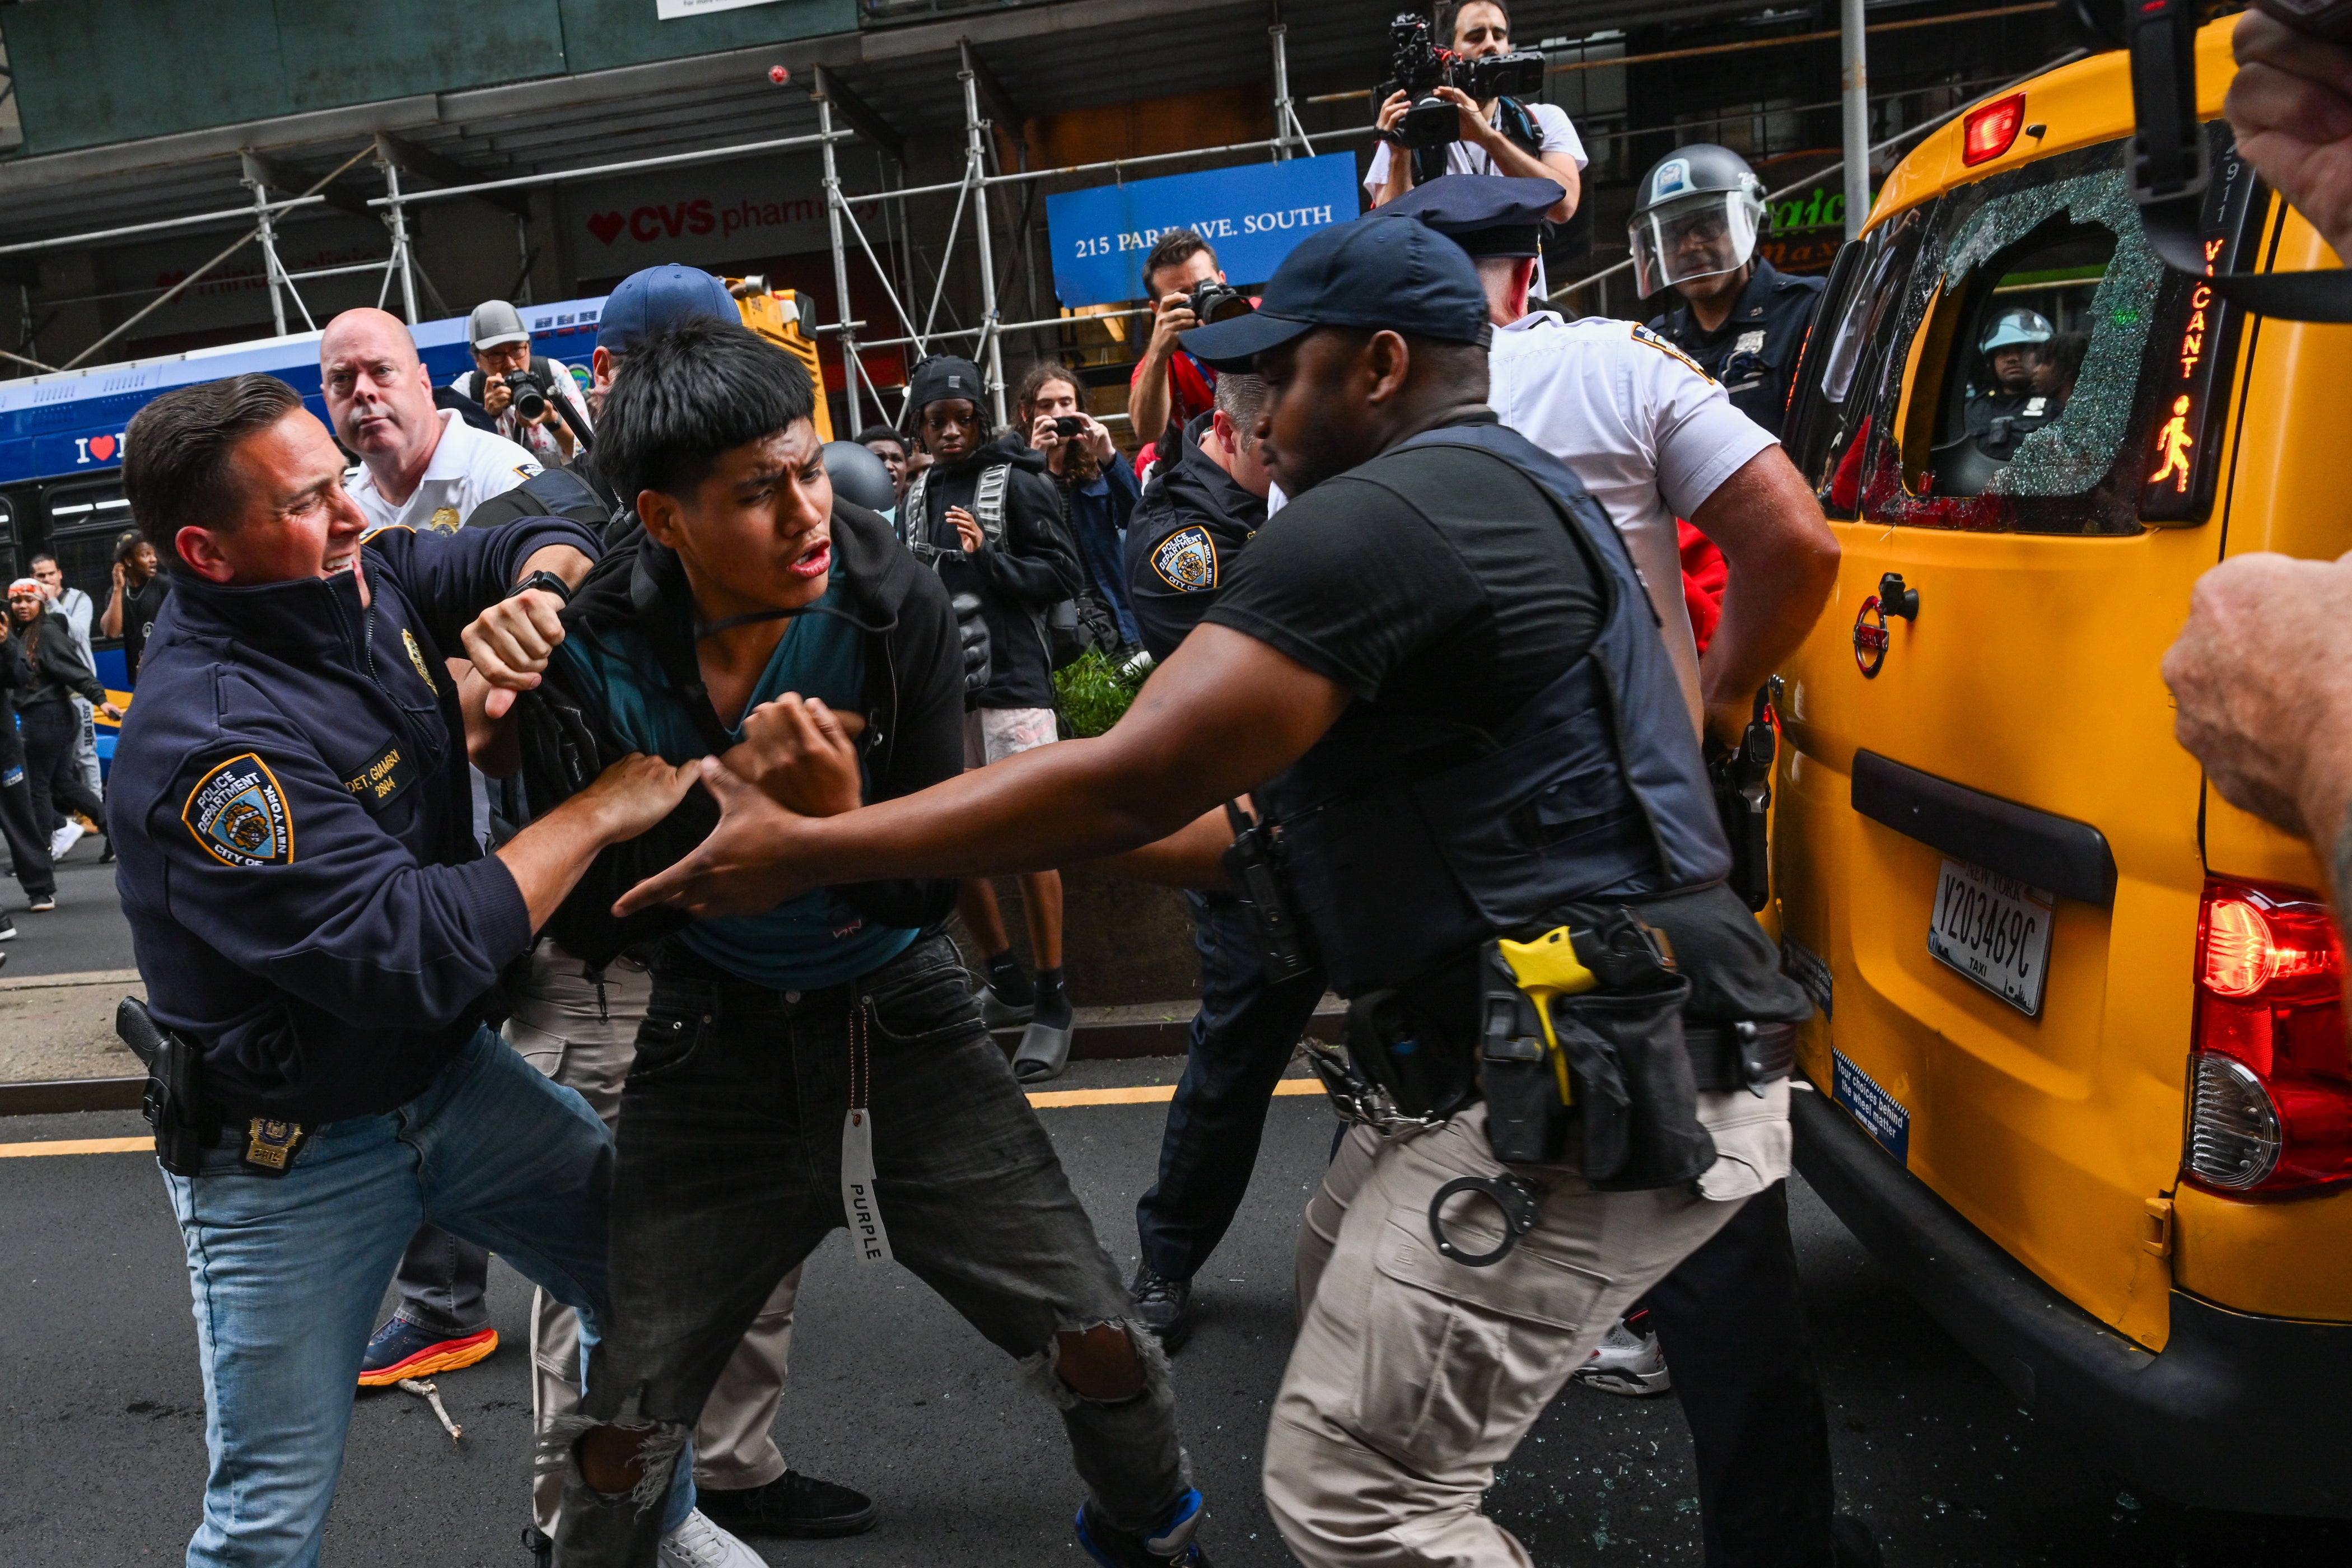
<point x="1486" y="215"/>
<point x="650" y="300"/>
<point x="1372" y="273"/>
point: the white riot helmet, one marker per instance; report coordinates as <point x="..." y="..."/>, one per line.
<point x="1699" y="213"/>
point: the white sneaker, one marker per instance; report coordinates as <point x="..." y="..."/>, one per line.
<point x="699" y="1543"/>
<point x="65" y="838"/>
<point x="1628" y="1362"/>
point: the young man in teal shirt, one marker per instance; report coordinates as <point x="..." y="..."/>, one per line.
<point x="822" y="1062"/>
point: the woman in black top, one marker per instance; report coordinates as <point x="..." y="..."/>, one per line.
<point x="140" y="589"/>
<point x="49" y="671"/>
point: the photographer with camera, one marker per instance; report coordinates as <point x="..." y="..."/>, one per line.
<point x="1169" y="388"/>
<point x="1493" y="130"/>
<point x="1098" y="489"/>
<point x="518" y="388"/>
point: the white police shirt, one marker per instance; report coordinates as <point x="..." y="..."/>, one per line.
<point x="1651" y="434"/>
<point x="468" y="467"/>
<point x="1552" y="125"/>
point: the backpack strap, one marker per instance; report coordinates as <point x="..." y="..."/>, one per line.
<point x="987" y="502"/>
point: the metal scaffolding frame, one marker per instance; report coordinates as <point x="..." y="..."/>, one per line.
<point x="985" y="106"/>
<point x="970" y="190"/>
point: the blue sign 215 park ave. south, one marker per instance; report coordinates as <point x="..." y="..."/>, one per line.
<point x="1250" y="216"/>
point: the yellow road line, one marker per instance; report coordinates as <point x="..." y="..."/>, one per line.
<point x="1045" y="1099"/>
<point x="79" y="1146"/>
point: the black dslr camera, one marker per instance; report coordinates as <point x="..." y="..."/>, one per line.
<point x="530" y="395"/>
<point x="2167" y="165"/>
<point x="1417" y="68"/>
<point x="1215" y="301"/>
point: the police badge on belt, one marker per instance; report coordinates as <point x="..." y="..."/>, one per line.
<point x="270" y="1146"/>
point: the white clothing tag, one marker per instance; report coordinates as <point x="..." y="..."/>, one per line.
<point x="867" y="1237"/>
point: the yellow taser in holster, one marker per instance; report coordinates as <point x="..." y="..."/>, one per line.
<point x="1522" y="1071"/>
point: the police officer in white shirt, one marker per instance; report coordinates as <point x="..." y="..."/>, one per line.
<point x="420" y="466"/>
<point x="501" y="346"/>
<point x="1503" y="137"/>
<point x="1653" y="438"/>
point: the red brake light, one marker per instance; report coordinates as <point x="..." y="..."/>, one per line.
<point x="2271" y="1076"/>
<point x="1987" y="132"/>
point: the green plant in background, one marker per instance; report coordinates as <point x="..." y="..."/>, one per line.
<point x="1092" y="692"/>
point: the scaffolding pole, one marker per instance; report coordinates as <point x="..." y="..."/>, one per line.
<point x="396" y="215"/>
<point x="833" y="211"/>
<point x="975" y="165"/>
<point x="268" y="242"/>
<point x="1287" y="127"/>
<point x="1853" y="80"/>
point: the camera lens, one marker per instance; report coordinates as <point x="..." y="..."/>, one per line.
<point x="530" y="399"/>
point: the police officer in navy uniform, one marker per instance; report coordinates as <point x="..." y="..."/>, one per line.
<point x="1696" y="223"/>
<point x="1206" y="502"/>
<point x="312" y="916"/>
<point x="1438" y="672"/>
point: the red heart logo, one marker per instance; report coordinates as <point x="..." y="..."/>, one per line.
<point x="606" y="226"/>
<point x="101" y="446"/>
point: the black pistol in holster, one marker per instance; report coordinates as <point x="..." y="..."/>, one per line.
<point x="1742" y="777"/>
<point x="171" y="1104"/>
<point x="1252" y="867"/>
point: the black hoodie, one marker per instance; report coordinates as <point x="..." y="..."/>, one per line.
<point x="1181" y="541"/>
<point x="1035" y="569"/>
<point x="913" y="708"/>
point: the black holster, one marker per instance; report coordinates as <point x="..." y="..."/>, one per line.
<point x="1635" y="1105"/>
<point x="171" y="1103"/>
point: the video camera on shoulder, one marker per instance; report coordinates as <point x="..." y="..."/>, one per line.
<point x="1417" y="68"/>
<point x="2167" y="166"/>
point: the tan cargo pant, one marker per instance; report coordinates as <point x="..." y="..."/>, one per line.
<point x="585" y="1042"/>
<point x="1413" y="1376"/>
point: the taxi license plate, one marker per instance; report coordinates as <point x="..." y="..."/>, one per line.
<point x="1994" y="930"/>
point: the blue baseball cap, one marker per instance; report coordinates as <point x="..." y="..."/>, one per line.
<point x="1372" y="273"/>
<point x="650" y="300"/>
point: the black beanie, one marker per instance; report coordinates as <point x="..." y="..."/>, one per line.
<point x="943" y="376"/>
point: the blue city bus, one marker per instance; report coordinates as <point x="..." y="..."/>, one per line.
<point x="61" y="444"/>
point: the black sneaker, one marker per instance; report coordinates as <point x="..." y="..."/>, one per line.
<point x="1165" y="1306"/>
<point x="1169" y="1546"/>
<point x="791" y="1505"/>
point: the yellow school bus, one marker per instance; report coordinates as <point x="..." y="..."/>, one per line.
<point x="2080" y="1054"/>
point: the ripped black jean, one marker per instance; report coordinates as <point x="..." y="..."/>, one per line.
<point x="729" y="1173"/>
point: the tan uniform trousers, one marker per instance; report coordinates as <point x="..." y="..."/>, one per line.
<point x="1413" y="1376"/>
<point x="562" y="1027"/>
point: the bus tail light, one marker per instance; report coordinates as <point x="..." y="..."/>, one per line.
<point x="2270" y="1076"/>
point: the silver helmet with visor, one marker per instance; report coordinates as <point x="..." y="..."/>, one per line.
<point x="1699" y="214"/>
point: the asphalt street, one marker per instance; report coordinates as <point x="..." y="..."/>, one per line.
<point x="102" y="1418"/>
<point x="85" y="931"/>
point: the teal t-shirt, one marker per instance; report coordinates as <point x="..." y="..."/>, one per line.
<point x="812" y="941"/>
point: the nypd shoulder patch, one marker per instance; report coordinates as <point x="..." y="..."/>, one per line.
<point x="1666" y="346"/>
<point x="1187" y="560"/>
<point x="238" y="813"/>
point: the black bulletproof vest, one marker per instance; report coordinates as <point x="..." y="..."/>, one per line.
<point x="1408" y="842"/>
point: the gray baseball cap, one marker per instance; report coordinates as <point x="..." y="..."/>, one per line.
<point x="494" y="323"/>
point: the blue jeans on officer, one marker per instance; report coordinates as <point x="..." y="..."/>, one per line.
<point x="288" y="1272"/>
